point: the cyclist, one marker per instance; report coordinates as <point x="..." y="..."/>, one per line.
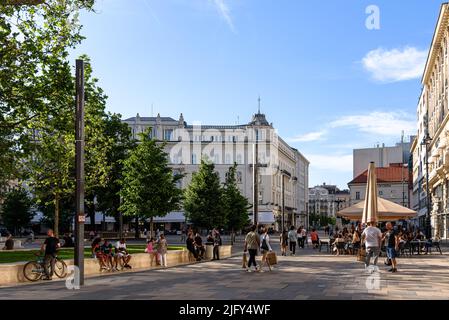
<point x="50" y="246"/>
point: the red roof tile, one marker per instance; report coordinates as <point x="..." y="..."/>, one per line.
<point x="390" y="174"/>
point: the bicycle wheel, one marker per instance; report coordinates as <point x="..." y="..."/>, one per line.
<point x="32" y="271"/>
<point x="60" y="268"/>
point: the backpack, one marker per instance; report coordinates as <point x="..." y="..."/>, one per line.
<point x="264" y="245"/>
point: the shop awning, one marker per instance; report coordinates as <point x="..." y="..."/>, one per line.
<point x="172" y="217"/>
<point x="265" y="217"/>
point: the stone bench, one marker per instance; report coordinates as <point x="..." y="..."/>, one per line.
<point x="12" y="273"/>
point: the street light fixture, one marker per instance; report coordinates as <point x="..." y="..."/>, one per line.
<point x="426" y="142"/>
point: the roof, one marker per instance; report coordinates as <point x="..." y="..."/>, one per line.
<point x="151" y="119"/>
<point x="389" y="174"/>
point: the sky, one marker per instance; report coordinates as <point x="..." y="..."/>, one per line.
<point x="332" y="75"/>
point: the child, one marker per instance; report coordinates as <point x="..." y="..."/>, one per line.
<point x="150" y="250"/>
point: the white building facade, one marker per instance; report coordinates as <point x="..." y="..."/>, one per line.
<point x="225" y="144"/>
<point x="433" y="118"/>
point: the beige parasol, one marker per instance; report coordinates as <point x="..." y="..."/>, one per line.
<point x="386" y="211"/>
<point x="370" y="205"/>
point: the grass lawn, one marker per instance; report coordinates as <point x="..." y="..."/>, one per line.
<point x="65" y="253"/>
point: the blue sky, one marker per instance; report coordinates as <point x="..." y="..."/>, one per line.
<point x="328" y="83"/>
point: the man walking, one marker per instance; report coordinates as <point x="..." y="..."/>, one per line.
<point x="292" y="238"/>
<point x="392" y="246"/>
<point x="50" y="245"/>
<point x="372" y="238"/>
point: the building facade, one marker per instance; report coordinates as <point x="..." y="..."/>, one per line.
<point x="283" y="170"/>
<point x="382" y="156"/>
<point x="327" y="200"/>
<point x="432" y="117"/>
<point x="392" y="184"/>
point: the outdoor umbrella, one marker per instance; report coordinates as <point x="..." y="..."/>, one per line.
<point x="370" y="204"/>
<point x="386" y="211"/>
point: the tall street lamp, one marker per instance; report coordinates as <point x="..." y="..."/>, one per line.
<point x="426" y="142"/>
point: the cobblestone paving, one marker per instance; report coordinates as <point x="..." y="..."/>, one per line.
<point x="309" y="275"/>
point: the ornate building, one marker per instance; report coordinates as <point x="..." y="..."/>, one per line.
<point x="433" y="130"/>
<point x="283" y="170"/>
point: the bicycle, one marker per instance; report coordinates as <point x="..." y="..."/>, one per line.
<point x="35" y="270"/>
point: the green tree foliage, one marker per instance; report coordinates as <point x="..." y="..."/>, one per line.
<point x="149" y="187"/>
<point x="203" y="202"/>
<point x="235" y="204"/>
<point x="108" y="198"/>
<point x="16" y="210"/>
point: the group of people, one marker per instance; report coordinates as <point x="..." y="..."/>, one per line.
<point x="255" y="241"/>
<point x="297" y="237"/>
<point x="195" y="246"/>
<point x="373" y="238"/>
<point x="157" y="249"/>
<point x="110" y="256"/>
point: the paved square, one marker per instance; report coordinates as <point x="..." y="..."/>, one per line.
<point x="309" y="275"/>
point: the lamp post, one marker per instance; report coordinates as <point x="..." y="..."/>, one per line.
<point x="426" y="141"/>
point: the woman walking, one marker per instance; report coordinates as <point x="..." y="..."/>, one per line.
<point x="284" y="242"/>
<point x="265" y="247"/>
<point x="162" y="250"/>
<point x="252" y="243"/>
<point x="150" y="250"/>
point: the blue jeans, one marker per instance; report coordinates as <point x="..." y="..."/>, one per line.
<point x="374" y="252"/>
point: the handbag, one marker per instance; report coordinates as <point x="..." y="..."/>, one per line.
<point x="272" y="258"/>
<point x="244" y="260"/>
<point x="264" y="245"/>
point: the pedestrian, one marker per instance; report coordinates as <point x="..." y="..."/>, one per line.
<point x="150" y="250"/>
<point x="265" y="247"/>
<point x="183" y="235"/>
<point x="298" y="235"/>
<point x="292" y="238"/>
<point x="392" y="245"/>
<point x="284" y="242"/>
<point x="303" y="236"/>
<point x="217" y="243"/>
<point x="190" y="244"/>
<point x="50" y="246"/>
<point x="162" y="250"/>
<point x="314" y="238"/>
<point x="91" y="235"/>
<point x="9" y="243"/>
<point x="252" y="243"/>
<point x="372" y="238"/>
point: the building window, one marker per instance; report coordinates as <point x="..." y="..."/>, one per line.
<point x="216" y="159"/>
<point x="239" y="159"/>
<point x="194" y="158"/>
<point x="168" y="134"/>
<point x="357" y="195"/>
<point x="239" y="177"/>
<point x="228" y="158"/>
<point x="381" y="193"/>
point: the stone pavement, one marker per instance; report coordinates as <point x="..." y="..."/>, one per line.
<point x="309" y="275"/>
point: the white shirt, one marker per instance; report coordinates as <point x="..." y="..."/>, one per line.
<point x="372" y="235"/>
<point x="120" y="245"/>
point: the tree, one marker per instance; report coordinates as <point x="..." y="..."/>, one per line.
<point x="108" y="198"/>
<point x="34" y="43"/>
<point x="16" y="210"/>
<point x="235" y="204"/>
<point x="148" y="187"/>
<point x="203" y="202"/>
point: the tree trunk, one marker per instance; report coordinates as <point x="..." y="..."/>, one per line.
<point x="232" y="236"/>
<point x="137" y="236"/>
<point x="56" y="222"/>
<point x="91" y="213"/>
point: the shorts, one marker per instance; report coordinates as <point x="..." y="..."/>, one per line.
<point x="122" y="254"/>
<point x="391" y="253"/>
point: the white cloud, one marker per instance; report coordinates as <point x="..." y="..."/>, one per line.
<point x="309" y="137"/>
<point x="396" y="64"/>
<point x="334" y="163"/>
<point x="379" y="123"/>
<point x="225" y="13"/>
